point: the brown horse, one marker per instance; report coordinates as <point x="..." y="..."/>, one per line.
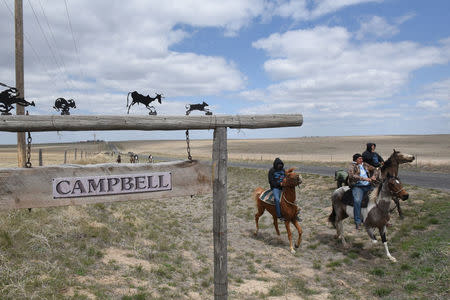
<point x="390" y="166"/>
<point x="289" y="209"/>
<point x="375" y="215"/>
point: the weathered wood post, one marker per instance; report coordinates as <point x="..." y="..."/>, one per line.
<point x="75" y="154"/>
<point x="40" y="158"/>
<point x="65" y="156"/>
<point x="219" y="158"/>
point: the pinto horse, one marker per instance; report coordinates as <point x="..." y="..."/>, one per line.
<point x="289" y="209"/>
<point x="390" y="166"/>
<point x="375" y="215"/>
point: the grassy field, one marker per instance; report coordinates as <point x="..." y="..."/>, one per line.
<point x="164" y="250"/>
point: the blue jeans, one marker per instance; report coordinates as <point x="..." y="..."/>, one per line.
<point x="277" y="195"/>
<point x="358" y="194"/>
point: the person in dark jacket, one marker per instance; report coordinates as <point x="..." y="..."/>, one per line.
<point x="371" y="157"/>
<point x="276" y="176"/>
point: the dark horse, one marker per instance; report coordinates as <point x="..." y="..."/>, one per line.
<point x="390" y="166"/>
<point x="375" y="215"/>
<point x="289" y="209"/>
<point x="64" y="105"/>
<point x="8" y="98"/>
<point x="146" y="100"/>
<point x="200" y="107"/>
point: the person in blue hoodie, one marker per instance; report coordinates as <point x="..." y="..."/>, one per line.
<point x="276" y="176"/>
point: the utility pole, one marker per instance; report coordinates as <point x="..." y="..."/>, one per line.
<point x="20" y="110"/>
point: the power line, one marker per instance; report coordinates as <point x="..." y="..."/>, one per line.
<point x="73" y="36"/>
<point x="48" y="43"/>
<point x="32" y="48"/>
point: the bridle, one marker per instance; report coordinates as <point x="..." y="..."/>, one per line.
<point x="397" y="192"/>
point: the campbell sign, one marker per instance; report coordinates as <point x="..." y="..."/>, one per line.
<point x="111" y="184"/>
<point x="50" y="186"/>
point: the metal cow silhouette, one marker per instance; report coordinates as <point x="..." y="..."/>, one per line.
<point x="146" y="100"/>
<point x="200" y="107"/>
<point x="8" y="98"/>
<point x="64" y="105"/>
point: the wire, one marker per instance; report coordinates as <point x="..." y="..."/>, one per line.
<point x="27" y="39"/>
<point x="73" y="36"/>
<point x="48" y="44"/>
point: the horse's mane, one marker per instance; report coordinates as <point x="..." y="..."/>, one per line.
<point x="373" y="195"/>
<point x="388" y="163"/>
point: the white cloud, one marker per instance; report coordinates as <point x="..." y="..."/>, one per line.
<point x="438" y="91"/>
<point x="323" y="64"/>
<point x="377" y="27"/>
<point x="428" y="104"/>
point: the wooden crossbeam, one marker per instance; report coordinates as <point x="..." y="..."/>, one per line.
<point x="88" y="123"/>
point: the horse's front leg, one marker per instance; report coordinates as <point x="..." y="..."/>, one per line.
<point x="384" y="240"/>
<point x="289" y="233"/>
<point x="397" y="203"/>
<point x="371" y="234"/>
<point x="300" y="232"/>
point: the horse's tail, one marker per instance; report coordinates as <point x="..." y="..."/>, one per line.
<point x="256" y="194"/>
<point x="332" y="217"/>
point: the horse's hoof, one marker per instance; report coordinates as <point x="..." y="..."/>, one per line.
<point x="393" y="259"/>
<point x="374" y="241"/>
<point x="296" y="246"/>
<point x="292" y="251"/>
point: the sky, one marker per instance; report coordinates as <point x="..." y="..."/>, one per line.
<point x="350" y="67"/>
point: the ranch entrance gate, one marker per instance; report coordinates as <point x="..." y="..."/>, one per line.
<point x="16" y="193"/>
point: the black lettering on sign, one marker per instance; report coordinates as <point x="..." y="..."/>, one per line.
<point x="111" y="184"/>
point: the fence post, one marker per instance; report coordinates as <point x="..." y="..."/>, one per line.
<point x="219" y="158"/>
<point x="40" y="157"/>
<point x="75" y="153"/>
<point x="65" y="156"/>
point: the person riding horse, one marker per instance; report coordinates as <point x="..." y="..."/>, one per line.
<point x="276" y="176"/>
<point x="371" y="157"/>
<point x="359" y="180"/>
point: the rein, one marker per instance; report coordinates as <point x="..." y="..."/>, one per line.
<point x="291" y="203"/>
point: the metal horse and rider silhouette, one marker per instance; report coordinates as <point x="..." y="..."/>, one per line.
<point x="9" y="97"/>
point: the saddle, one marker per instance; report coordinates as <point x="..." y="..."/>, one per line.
<point x="347" y="199"/>
<point x="267" y="197"/>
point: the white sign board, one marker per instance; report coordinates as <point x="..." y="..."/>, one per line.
<point x="111" y="185"/>
<point x="50" y="186"/>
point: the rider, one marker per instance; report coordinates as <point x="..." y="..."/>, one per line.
<point x="276" y="176"/>
<point x="359" y="181"/>
<point x="371" y="157"/>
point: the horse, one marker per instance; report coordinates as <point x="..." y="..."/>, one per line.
<point x="8" y="98"/>
<point x="146" y="100"/>
<point x="375" y="215"/>
<point x="200" y="107"/>
<point x="64" y="105"/>
<point x="390" y="166"/>
<point x="289" y="209"/>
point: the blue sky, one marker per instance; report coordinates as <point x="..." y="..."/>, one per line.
<point x="351" y="67"/>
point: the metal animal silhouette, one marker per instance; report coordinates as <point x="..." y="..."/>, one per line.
<point x="64" y="105"/>
<point x="8" y="98"/>
<point x="146" y="100"/>
<point x="200" y="107"/>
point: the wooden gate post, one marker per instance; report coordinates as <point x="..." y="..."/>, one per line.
<point x="219" y="164"/>
<point x="65" y="156"/>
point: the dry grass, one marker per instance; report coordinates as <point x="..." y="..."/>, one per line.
<point x="164" y="250"/>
